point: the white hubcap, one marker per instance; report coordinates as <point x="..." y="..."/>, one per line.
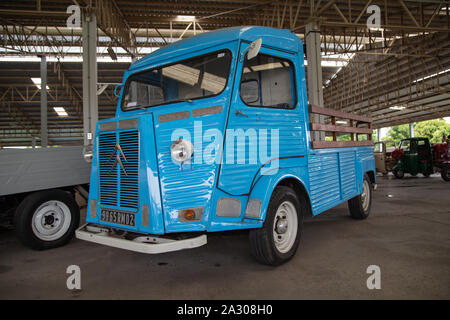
<point x="285" y="226"/>
<point x="365" y="195"/>
<point x="51" y="220"/>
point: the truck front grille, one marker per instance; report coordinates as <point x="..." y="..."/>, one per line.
<point x="118" y="158"/>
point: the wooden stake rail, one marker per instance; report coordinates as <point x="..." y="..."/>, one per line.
<point x="333" y="128"/>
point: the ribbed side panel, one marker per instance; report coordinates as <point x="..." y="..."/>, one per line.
<point x="365" y="153"/>
<point x="236" y="178"/>
<point x="324" y="180"/>
<point x="348" y="172"/>
<point x="129" y="185"/>
<point x="107" y="178"/>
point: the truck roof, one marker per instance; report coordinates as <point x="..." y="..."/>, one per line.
<point x="271" y="37"/>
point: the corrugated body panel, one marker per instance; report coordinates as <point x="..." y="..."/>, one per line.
<point x="364" y="153"/>
<point x="348" y="172"/>
<point x="236" y="178"/>
<point x="183" y="185"/>
<point x="324" y="180"/>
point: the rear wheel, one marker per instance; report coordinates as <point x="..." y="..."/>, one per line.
<point x="277" y="241"/>
<point x="46" y="219"/>
<point x="399" y="174"/>
<point x="359" y="206"/>
<point x="445" y="173"/>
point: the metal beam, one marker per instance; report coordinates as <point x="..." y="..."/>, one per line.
<point x="314" y="72"/>
<point x="44" y="110"/>
<point x="90" y="102"/>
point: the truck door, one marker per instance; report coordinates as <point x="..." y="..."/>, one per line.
<point x="267" y="106"/>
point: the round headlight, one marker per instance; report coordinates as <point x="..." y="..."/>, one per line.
<point x="181" y="150"/>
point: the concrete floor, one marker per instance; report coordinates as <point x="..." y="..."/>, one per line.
<point x="407" y="235"/>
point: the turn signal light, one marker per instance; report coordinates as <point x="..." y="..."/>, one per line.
<point x="192" y="214"/>
<point x="189" y="214"/>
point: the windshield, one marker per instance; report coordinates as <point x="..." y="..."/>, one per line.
<point x="195" y="78"/>
<point x="405" y="145"/>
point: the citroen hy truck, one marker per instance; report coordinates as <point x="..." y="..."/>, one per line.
<point x="215" y="133"/>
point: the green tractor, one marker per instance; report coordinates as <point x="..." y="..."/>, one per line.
<point x="413" y="156"/>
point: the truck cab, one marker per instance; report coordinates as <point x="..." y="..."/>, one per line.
<point x="213" y="133"/>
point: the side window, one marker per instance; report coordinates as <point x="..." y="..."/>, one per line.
<point x="268" y="81"/>
<point x="143" y="94"/>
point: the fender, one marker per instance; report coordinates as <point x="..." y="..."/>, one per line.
<point x="266" y="184"/>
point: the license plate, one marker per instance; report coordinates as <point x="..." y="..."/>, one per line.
<point x="118" y="217"/>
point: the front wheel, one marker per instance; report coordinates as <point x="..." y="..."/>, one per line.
<point x="46" y="219"/>
<point x="277" y="241"/>
<point x="359" y="206"/>
<point x="445" y="173"/>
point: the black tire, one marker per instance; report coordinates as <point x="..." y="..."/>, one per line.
<point x="399" y="174"/>
<point x="426" y="174"/>
<point x="262" y="242"/>
<point x="445" y="174"/>
<point x="23" y="219"/>
<point x="355" y="205"/>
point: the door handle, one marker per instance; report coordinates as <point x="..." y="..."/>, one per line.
<point x="240" y="113"/>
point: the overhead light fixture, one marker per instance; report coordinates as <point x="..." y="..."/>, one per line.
<point x="61" y="111"/>
<point x="37" y="83"/>
<point x="432" y="75"/>
<point x="341" y="122"/>
<point x="185" y="18"/>
<point x="397" y="108"/>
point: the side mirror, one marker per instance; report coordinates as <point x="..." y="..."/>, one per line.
<point x="255" y="46"/>
<point x="253" y="49"/>
<point x="249" y="91"/>
<point x="119" y="86"/>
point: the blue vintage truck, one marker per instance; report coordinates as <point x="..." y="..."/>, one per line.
<point x="214" y="133"/>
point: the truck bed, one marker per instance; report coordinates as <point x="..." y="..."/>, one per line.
<point x="25" y="170"/>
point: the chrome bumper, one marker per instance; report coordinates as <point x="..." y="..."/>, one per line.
<point x="143" y="244"/>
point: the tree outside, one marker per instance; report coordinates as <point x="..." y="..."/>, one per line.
<point x="397" y="133"/>
<point x="432" y="129"/>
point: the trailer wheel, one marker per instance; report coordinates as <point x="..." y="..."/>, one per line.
<point x="445" y="173"/>
<point x="399" y="174"/>
<point x="277" y="241"/>
<point x="46" y="219"/>
<point x="359" y="206"/>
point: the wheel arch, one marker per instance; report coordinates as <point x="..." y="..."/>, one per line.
<point x="371" y="175"/>
<point x="265" y="187"/>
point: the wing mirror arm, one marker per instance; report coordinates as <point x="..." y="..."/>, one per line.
<point x="253" y="50"/>
<point x="119" y="86"/>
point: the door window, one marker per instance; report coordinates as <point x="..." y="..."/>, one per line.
<point x="268" y="81"/>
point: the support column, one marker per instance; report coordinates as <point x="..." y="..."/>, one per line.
<point x="411" y="130"/>
<point x="44" y="110"/>
<point x="314" y="70"/>
<point x="90" y="102"/>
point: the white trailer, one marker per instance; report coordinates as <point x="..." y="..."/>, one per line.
<point x="37" y="192"/>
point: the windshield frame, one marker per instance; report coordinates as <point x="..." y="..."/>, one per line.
<point x="129" y="79"/>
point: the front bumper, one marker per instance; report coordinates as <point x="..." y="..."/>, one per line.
<point x="143" y="244"/>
